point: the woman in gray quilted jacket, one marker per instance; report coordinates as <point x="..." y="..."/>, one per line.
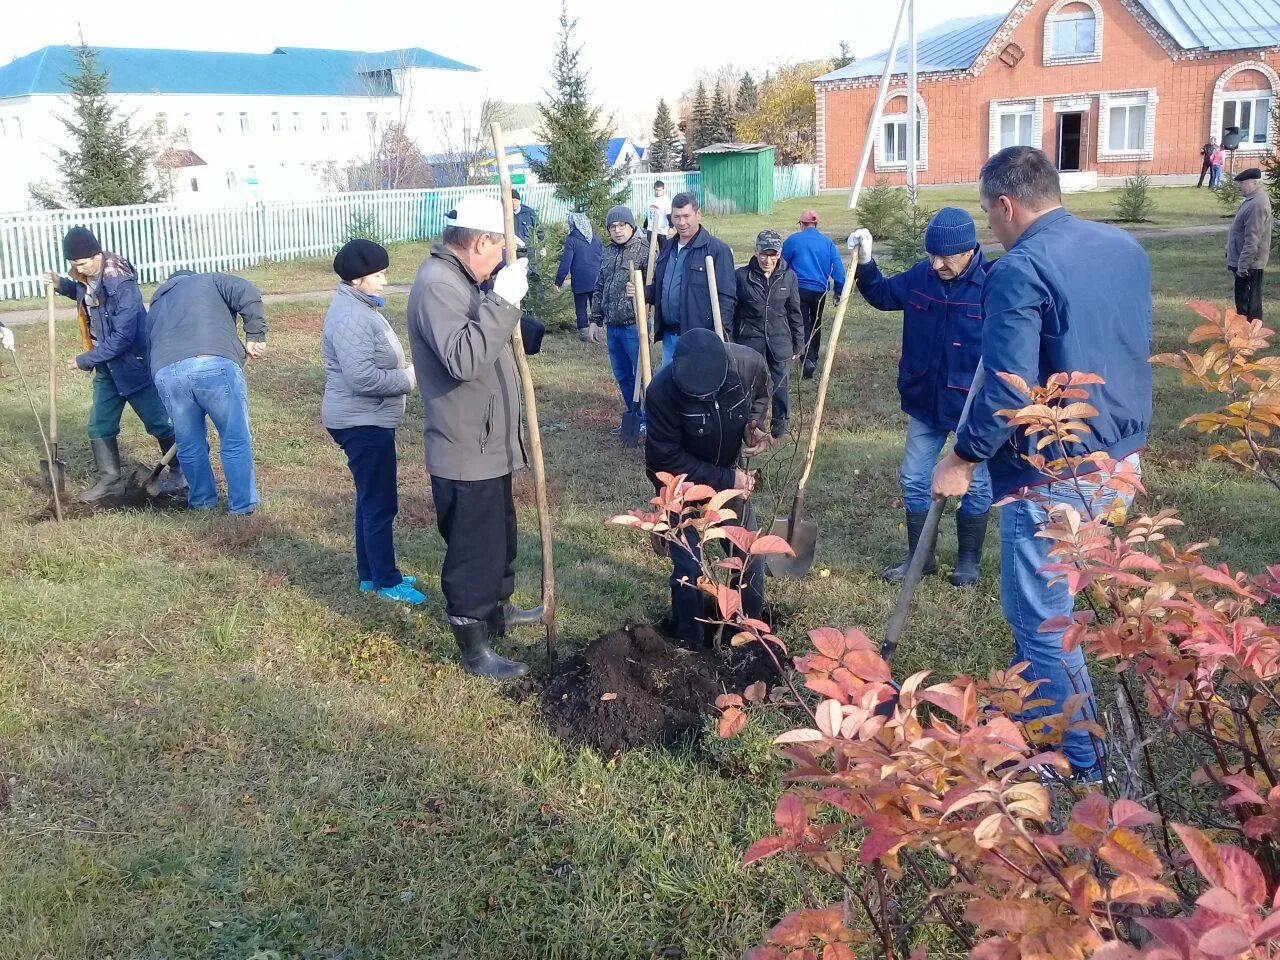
<point x="366" y="378"/>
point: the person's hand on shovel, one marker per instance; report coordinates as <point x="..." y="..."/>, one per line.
<point x="744" y="480"/>
<point x="951" y="477"/>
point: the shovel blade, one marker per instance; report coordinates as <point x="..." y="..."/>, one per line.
<point x="803" y="540"/>
<point x="54" y="476"/>
<point x="631" y="429"/>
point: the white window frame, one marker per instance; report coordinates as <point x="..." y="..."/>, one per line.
<point x="220" y="121"/>
<point x="1122" y="99"/>
<point x="244" y="121"/>
<point x="324" y="121"/>
<point x="1055" y="16"/>
<point x="1034" y="107"/>
<point x="1251" y="97"/>
<point x="232" y="180"/>
<point x="275" y="121"/>
<point x="1221" y="95"/>
<point x="343" y="124"/>
<point x="295" y="123"/>
<point x="922" y="121"/>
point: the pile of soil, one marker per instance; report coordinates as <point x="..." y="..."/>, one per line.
<point x="635" y="688"/>
<point x="134" y="498"/>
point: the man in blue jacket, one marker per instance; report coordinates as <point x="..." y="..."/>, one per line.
<point x="816" y="261"/>
<point x="1069" y="295"/>
<point x="680" y="291"/>
<point x="113" y="334"/>
<point x="941" y="302"/>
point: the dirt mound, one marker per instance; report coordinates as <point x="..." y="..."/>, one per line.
<point x="134" y="498"/>
<point x="635" y="688"/>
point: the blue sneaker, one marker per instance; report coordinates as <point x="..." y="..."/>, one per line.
<point x="403" y="593"/>
<point x="368" y="586"/>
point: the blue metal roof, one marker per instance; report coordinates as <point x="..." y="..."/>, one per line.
<point x="612" y="149"/>
<point x="1217" y="25"/>
<point x="286" y="71"/>
<point x="953" y="45"/>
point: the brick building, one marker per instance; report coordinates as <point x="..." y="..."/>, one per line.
<point x="1105" y="87"/>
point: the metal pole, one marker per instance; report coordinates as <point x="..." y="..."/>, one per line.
<point x="873" y="122"/>
<point x="911" y="102"/>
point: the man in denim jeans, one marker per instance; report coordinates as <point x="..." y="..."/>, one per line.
<point x="1068" y="296"/>
<point x="197" y="360"/>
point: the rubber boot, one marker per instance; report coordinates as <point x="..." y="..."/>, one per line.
<point x="110" y="485"/>
<point x="971" y="531"/>
<point x="915" y="523"/>
<point x="478" y="657"/>
<point x="174" y="483"/>
<point x="513" y="616"/>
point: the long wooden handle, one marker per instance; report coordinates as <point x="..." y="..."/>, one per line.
<point x="653" y="255"/>
<point x="642" y="330"/>
<point x="53" y="376"/>
<point x="715" y="298"/>
<point x="531" y="408"/>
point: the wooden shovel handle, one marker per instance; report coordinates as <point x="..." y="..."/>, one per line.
<point x="53" y="371"/>
<point x="715" y="298"/>
<point x="642" y="330"/>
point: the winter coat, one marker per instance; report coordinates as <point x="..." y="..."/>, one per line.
<point x="1249" y="241"/>
<point x="1070" y="295"/>
<point x="815" y="258"/>
<point x="194" y="315"/>
<point x="611" y="304"/>
<point x="365" y="380"/>
<point x="694" y="307"/>
<point x="113" y="332"/>
<point x="526" y="220"/>
<point x="941" y="334"/>
<point x="580" y="261"/>
<point x="461" y="343"/>
<point x="767" y="316"/>
<point x="702" y="436"/>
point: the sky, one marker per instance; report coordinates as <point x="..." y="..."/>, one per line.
<point x="633" y="55"/>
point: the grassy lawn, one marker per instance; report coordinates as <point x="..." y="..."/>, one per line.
<point x="211" y="745"/>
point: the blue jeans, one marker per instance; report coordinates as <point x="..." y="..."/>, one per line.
<point x="371" y="455"/>
<point x="211" y="387"/>
<point x="1029" y="600"/>
<point x="1215" y="176"/>
<point x="919" y="457"/>
<point x="624" y="348"/>
<point x="669" y="342"/>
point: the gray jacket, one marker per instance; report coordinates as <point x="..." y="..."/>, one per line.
<point x="1249" y="242"/>
<point x="194" y="315"/>
<point x="365" y="376"/>
<point x="461" y="342"/>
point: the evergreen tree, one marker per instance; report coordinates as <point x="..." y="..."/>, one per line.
<point x="109" y="164"/>
<point x="663" y="154"/>
<point x="843" y="58"/>
<point x="699" y="120"/>
<point x="719" y="120"/>
<point x="748" y="96"/>
<point x="574" y="136"/>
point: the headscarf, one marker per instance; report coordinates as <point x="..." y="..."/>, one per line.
<point x="580" y="221"/>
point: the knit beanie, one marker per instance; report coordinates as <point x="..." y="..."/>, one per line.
<point x="620" y="214"/>
<point x="80" y="244"/>
<point x="951" y="231"/>
<point x="360" y="258"/>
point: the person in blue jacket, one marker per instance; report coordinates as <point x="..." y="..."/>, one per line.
<point x="1069" y="295"/>
<point x="580" y="264"/>
<point x="113" y="333"/>
<point x="941" y="302"/>
<point x="816" y="262"/>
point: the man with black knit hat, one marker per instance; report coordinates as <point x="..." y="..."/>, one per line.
<point x="113" y="334"/>
<point x="941" y="302"/>
<point x="705" y="411"/>
<point x="613" y="307"/>
<point x="1249" y="242"/>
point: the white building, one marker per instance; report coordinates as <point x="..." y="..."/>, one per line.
<point x="282" y="125"/>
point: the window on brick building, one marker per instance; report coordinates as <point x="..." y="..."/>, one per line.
<point x="1075" y="33"/>
<point x="1016" y="128"/>
<point x="1250" y="110"/>
<point x="1127" y="127"/>
<point x="894" y="140"/>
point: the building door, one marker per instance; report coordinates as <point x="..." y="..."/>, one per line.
<point x="1070" y="141"/>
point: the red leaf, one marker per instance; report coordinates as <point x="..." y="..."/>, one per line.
<point x="790" y="817"/>
<point x="838" y="951"/>
<point x="770" y="544"/>
<point x="765" y="847"/>
<point x="755" y="693"/>
<point x="867" y="665"/>
<point x="764" y="953"/>
<point x="876" y="844"/>
<point x="1244" y="876"/>
<point x="828" y="641"/>
<point x="1126" y="813"/>
<point x="796" y="929"/>
<point x="1203" y="853"/>
<point x="732" y="723"/>
<point x="1227" y="940"/>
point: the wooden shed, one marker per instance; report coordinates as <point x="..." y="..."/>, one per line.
<point x="737" y="177"/>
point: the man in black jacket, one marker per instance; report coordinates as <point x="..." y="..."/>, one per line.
<point x="768" y="319"/>
<point x="703" y="407"/>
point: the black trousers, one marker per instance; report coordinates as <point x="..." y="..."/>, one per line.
<point x="477" y="519"/>
<point x="371" y="455"/>
<point x="781" y="415"/>
<point x="811" y="304"/>
<point x="1205" y="168"/>
<point x="582" y="305"/>
<point x="1249" y="295"/>
<point x="689" y="605"/>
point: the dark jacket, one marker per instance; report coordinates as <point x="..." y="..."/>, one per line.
<point x="1249" y="239"/>
<point x="611" y="304"/>
<point x="767" y="316"/>
<point x="941" y="334"/>
<point x="701" y="437"/>
<point x="815" y="258"/>
<point x="526" y="220"/>
<point x="114" y="332"/>
<point x="580" y="261"/>
<point x="1070" y="295"/>
<point x="466" y="372"/>
<point x="194" y="315"/>
<point x="695" y="300"/>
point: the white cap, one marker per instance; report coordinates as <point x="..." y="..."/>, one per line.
<point x="478" y="212"/>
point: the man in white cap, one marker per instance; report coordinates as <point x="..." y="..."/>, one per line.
<point x="460" y="333"/>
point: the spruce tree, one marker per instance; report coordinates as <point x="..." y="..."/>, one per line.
<point x="574" y="136"/>
<point x="108" y="164"/>
<point x="663" y="154"/>
<point x="720" y="123"/>
<point x="699" y="119"/>
<point x="843" y="58"/>
<point x="748" y="96"/>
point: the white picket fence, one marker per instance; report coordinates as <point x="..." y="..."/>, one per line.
<point x="160" y="238"/>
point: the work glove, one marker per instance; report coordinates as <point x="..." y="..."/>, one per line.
<point x="860" y="240"/>
<point x="6" y="338"/>
<point x="512" y="282"/>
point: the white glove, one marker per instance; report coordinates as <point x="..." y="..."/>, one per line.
<point x="512" y="282"/>
<point x="6" y="338"/>
<point x="413" y="376"/>
<point x="861" y="239"/>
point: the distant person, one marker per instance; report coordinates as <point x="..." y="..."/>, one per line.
<point x="197" y="360"/>
<point x="1206" y="162"/>
<point x="580" y="264"/>
<point x="817" y="263"/>
<point x="612" y="307"/>
<point x="767" y="319"/>
<point x="1249" y="242"/>
<point x="113" y="334"/>
<point x="526" y="217"/>
<point x="366" y="380"/>
<point x="659" y="218"/>
<point x="1215" y="162"/>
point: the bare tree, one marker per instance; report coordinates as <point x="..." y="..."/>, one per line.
<point x="466" y="143"/>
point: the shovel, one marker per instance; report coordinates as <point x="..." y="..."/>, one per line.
<point x="715" y="298"/>
<point x="632" y="421"/>
<point x="53" y="471"/>
<point x="153" y="481"/>
<point x="50" y="457"/>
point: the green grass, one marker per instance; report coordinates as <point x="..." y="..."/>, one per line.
<point x="215" y="747"/>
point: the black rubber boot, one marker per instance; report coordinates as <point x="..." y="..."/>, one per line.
<point x="513" y="616"/>
<point x="110" y="485"/>
<point x="915" y="523"/>
<point x="175" y="483"/>
<point x="971" y="531"/>
<point x="478" y="657"/>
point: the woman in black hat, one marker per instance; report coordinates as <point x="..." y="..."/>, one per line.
<point x="366" y="378"/>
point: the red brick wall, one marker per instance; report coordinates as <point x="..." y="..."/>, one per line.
<point x="959" y="106"/>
